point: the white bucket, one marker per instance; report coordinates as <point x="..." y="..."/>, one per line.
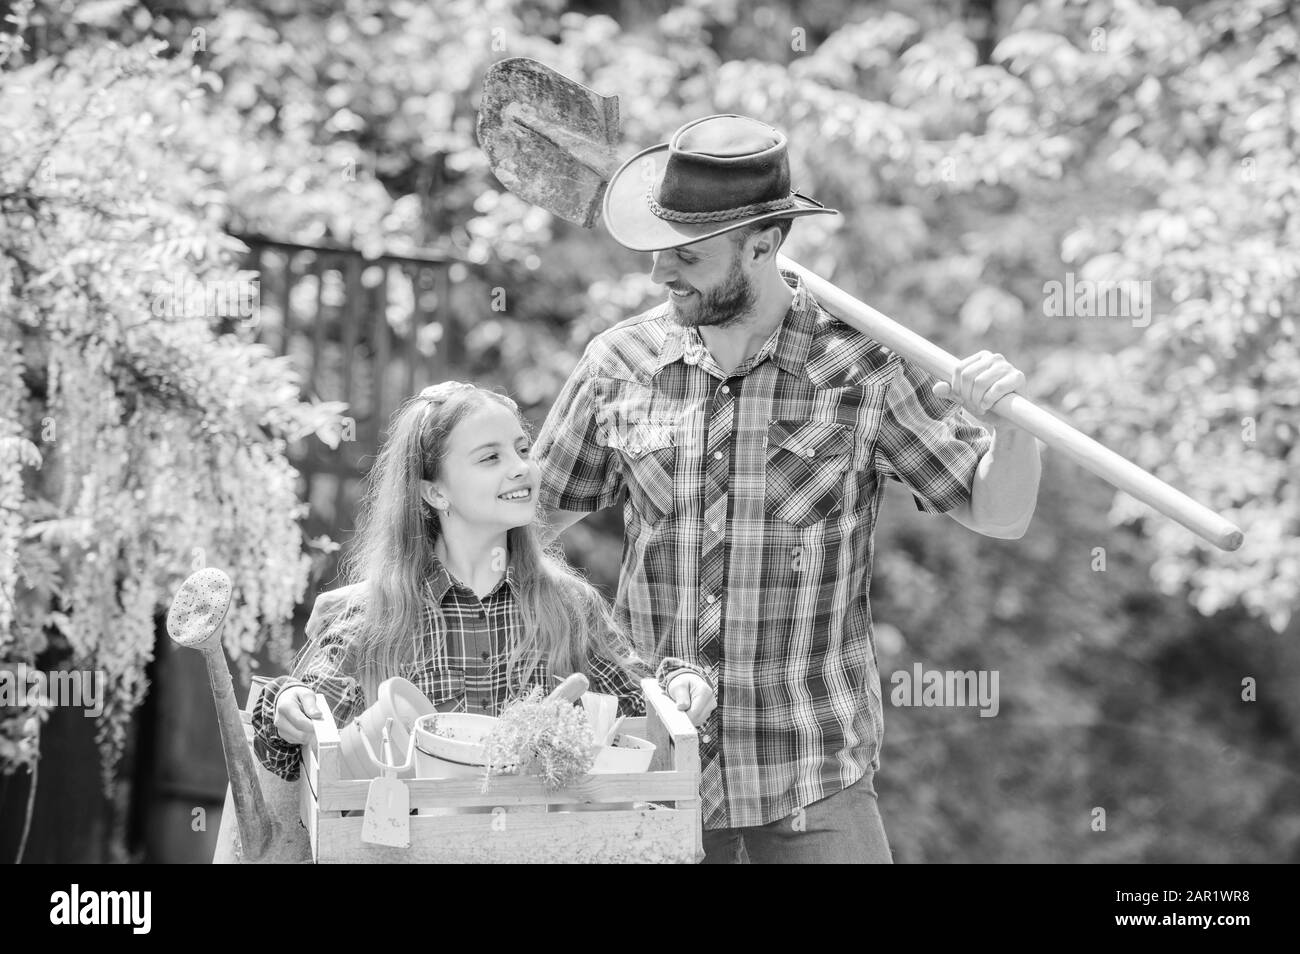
<point x="456" y="750"/>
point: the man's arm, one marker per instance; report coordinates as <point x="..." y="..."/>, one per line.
<point x="1004" y="489"/>
<point x="580" y="471"/>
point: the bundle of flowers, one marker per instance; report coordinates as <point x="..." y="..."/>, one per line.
<point x="550" y="738"/>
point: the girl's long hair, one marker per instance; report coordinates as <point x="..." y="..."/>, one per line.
<point x="564" y="616"/>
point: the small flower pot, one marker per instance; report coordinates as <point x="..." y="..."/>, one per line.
<point x="456" y="750"/>
<point x="627" y="754"/>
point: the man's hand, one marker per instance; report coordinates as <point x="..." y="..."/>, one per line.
<point x="693" y="696"/>
<point x="979" y="382"/>
<point x="295" y="708"/>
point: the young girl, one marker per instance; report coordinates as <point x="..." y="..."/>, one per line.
<point x="454" y="590"/>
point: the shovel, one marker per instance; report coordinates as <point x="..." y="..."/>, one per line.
<point x="570" y="690"/>
<point x="552" y="142"/>
<point x="387" y="819"/>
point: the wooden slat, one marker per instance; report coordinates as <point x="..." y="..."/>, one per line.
<point x="353" y="314"/>
<point x="320" y="762"/>
<point x="451" y="353"/>
<point x="381" y="348"/>
<point x="327" y="730"/>
<point x="643" y="836"/>
<point x="254" y="264"/>
<point x="285" y="290"/>
<point x="350" y="794"/>
<point x="411" y="355"/>
<point x="685" y="744"/>
<point x="307" y="811"/>
<point x="677" y="745"/>
<point x="416" y="257"/>
<point x="320" y="267"/>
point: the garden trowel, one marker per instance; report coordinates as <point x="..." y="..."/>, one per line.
<point x="387" y="819"/>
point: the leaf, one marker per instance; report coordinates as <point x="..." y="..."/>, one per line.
<point x="62" y="532"/>
<point x="101" y="13"/>
<point x="28" y="454"/>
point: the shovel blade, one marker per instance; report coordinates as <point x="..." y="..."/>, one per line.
<point x="387" y="820"/>
<point x="548" y="140"/>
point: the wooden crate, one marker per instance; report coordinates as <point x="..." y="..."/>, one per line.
<point x="517" y="820"/>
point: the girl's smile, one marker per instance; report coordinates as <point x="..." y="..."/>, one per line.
<point x="487" y="477"/>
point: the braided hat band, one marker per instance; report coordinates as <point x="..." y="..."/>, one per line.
<point x="721" y="215"/>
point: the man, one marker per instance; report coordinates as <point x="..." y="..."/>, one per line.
<point x="749" y="435"/>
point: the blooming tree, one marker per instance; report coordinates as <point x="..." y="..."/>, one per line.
<point x="143" y="434"/>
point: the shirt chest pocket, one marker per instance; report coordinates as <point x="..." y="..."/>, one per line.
<point x="649" y="452"/>
<point x="806" y="466"/>
<point x="444" y="687"/>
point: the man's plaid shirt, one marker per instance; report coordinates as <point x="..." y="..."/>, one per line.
<point x="750" y="501"/>
<point x="461" y="668"/>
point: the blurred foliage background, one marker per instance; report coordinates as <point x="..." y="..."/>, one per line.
<point x="977" y="150"/>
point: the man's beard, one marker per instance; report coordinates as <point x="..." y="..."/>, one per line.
<point x="722" y="306"/>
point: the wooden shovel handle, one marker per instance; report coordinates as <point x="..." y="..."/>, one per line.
<point x="1051" y="430"/>
<point x="571" y="689"/>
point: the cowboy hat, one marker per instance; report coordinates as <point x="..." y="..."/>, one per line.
<point x="715" y="175"/>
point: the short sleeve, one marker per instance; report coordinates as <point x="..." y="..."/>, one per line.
<point x="580" y="471"/>
<point x="928" y="443"/>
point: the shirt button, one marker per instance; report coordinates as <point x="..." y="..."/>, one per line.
<point x="726" y="390"/>
<point x="717" y="455"/>
<point x="811" y="452"/>
<point x="483" y="656"/>
<point x="712" y="598"/>
<point x="486" y="703"/>
<point x="714" y="527"/>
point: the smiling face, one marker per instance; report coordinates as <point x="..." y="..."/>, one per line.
<point x="485" y="467"/>
<point x="708" y="284"/>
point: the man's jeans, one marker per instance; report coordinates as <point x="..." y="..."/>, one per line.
<point x="843" y="828"/>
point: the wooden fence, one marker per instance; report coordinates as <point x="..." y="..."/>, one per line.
<point x="368" y="332"/>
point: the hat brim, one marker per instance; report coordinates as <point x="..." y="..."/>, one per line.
<point x="633" y="225"/>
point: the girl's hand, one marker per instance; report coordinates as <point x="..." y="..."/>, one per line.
<point x="693" y="696"/>
<point x="295" y="708"/>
